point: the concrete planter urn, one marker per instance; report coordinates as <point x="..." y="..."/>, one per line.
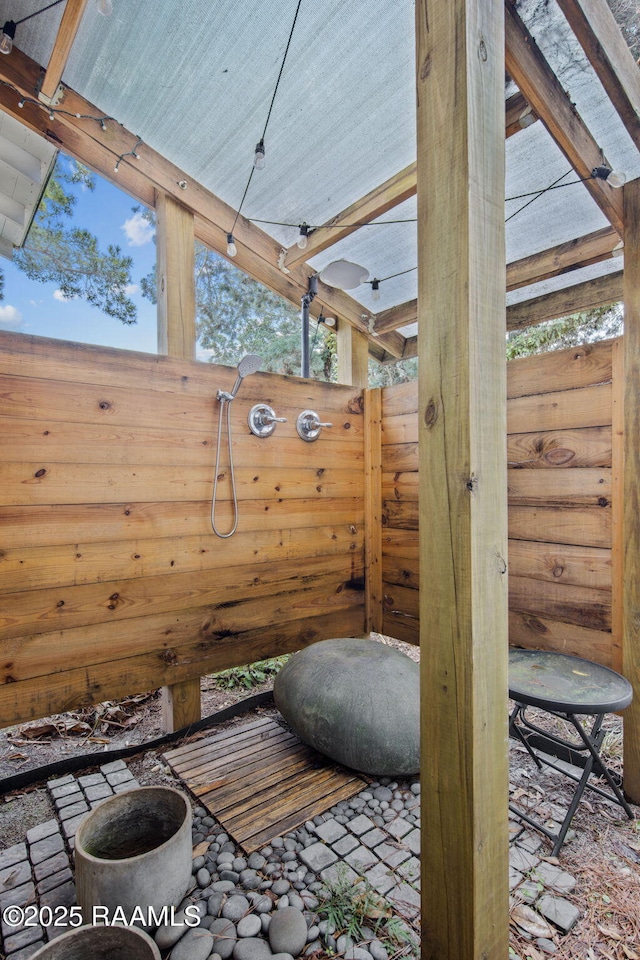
<point x="100" y="943"/>
<point x="133" y="852"/>
<point x="356" y="701"/>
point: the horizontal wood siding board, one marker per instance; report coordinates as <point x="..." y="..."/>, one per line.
<point x="400" y="514"/>
<point x="540" y="632"/>
<point x="561" y="563"/>
<point x="560" y="410"/>
<point x="58" y="360"/>
<point x="400" y="571"/>
<point x="402" y="627"/>
<point x="576" y="486"/>
<point x="401" y="429"/>
<point x="43" y="482"/>
<point x="401" y="600"/>
<point x="574" y="525"/>
<point x="61" y="607"/>
<point x="400" y="486"/>
<point x="68" y="442"/>
<point x="83" y="686"/>
<point x="557" y="449"/>
<point x="42" y="654"/>
<point x="399" y="457"/>
<point x="96" y="523"/>
<point x="400" y="399"/>
<point x="577" y="605"/>
<point x="560" y="370"/>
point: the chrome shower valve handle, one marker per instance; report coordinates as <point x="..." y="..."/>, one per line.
<point x="262" y="420"/>
<point x="309" y="425"/>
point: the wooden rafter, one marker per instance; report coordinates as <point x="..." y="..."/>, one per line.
<point x="599" y="35"/>
<point x="562" y="303"/>
<point x="67" y="31"/>
<point x="391" y="193"/>
<point x="99" y="149"/>
<point x="564" y="258"/>
<point x="537" y="81"/>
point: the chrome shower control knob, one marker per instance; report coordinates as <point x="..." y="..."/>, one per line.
<point x="309" y="425"/>
<point x="262" y="420"/>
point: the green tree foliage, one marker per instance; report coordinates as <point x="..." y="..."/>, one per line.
<point x="69" y="255"/>
<point x="237" y="315"/>
<point x="598" y="324"/>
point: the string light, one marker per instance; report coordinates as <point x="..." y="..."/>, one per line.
<point x="302" y="240"/>
<point x="231" y="246"/>
<point x="9" y="29"/>
<point x="105" y="7"/>
<point x="259" y="153"/>
<point x="130" y="153"/>
<point x="613" y="177"/>
<point x="258" y="159"/>
<point x="375" y="290"/>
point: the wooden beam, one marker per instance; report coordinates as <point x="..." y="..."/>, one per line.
<point x="258" y="253"/>
<point x="564" y="258"/>
<point x="395" y="317"/>
<point x="631" y="547"/>
<point x="599" y="35"/>
<point x="518" y="115"/>
<point x="562" y="303"/>
<point x="73" y="12"/>
<point x="353" y="357"/>
<point x="463" y="490"/>
<point x="537" y="81"/>
<point x="382" y="198"/>
<point x="391" y="193"/>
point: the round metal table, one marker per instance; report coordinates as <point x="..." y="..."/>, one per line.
<point x="573" y="690"/>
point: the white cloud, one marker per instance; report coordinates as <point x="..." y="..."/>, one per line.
<point x="10" y="315"/>
<point x="138" y="230"/>
<point x="61" y="297"/>
<point x="131" y="288"/>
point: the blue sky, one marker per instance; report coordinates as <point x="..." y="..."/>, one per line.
<point x="40" y="309"/>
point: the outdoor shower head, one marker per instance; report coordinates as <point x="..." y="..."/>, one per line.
<point x="249" y="364"/>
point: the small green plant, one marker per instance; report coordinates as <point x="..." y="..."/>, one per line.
<point x="351" y="906"/>
<point x="250" y="675"/>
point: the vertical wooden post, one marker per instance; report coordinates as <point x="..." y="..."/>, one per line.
<point x="373" y="509"/>
<point x="631" y="548"/>
<point x="617" y="502"/>
<point x="176" y="298"/>
<point x="462" y="463"/>
<point x="353" y="368"/>
<point x="176" y="293"/>
<point x="353" y="356"/>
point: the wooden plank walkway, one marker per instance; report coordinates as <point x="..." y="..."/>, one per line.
<point x="260" y="781"/>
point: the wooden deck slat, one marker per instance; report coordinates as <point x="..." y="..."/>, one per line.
<point x="230" y="762"/>
<point x="260" y="781"/>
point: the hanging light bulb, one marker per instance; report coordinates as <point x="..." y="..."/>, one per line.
<point x="6" y="40"/>
<point x="258" y="159"/>
<point x="613" y="177"/>
<point x="302" y="240"/>
<point x="105" y="7"/>
<point x="375" y="290"/>
<point x="328" y="321"/>
<point x="231" y="247"/>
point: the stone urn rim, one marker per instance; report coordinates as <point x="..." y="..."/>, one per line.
<point x="151" y="788"/>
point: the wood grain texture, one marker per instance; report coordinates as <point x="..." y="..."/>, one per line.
<point x="73" y="12"/>
<point x="631" y="547"/>
<point x="373" y="509"/>
<point x="176" y="289"/>
<point x="463" y="602"/>
<point x="108" y="562"/>
<point x="560" y="370"/>
<point x="599" y="292"/>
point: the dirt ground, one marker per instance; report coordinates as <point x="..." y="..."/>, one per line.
<point x="604" y="855"/>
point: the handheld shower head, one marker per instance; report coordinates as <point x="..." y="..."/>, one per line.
<point x="249" y="364"/>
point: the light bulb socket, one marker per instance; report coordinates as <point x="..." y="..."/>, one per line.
<point x="613" y="177"/>
<point x="302" y="238"/>
<point x="259" y="156"/>
<point x="8" y="34"/>
<point x="375" y="290"/>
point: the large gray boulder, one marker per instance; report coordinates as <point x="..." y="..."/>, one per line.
<point x="356" y="701"/>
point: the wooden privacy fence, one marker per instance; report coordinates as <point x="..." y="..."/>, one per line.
<point x="111" y="580"/>
<point x="564" y="451"/>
